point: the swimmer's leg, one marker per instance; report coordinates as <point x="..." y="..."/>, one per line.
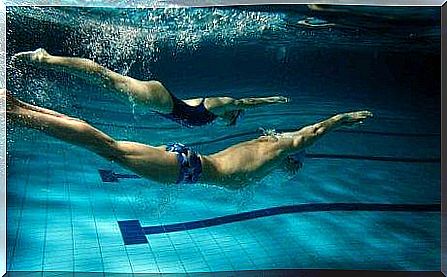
<point x="142" y="159"/>
<point x="15" y="102"/>
<point x="68" y="129"/>
<point x="148" y="93"/>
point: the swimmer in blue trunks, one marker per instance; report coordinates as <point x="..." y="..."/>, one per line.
<point x="151" y="95"/>
<point x="234" y="167"/>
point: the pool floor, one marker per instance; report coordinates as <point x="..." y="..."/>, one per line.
<point x="62" y="217"/>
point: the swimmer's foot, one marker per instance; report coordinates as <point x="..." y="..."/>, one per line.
<point x="282" y="99"/>
<point x="315" y="7"/>
<point x="16" y="106"/>
<point x="12" y="104"/>
<point x="355" y="118"/>
<point x="36" y="56"/>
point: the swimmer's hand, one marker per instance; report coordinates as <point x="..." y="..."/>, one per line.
<point x="247" y="103"/>
<point x="278" y="99"/>
<point x="38" y="55"/>
<point x="355" y="118"/>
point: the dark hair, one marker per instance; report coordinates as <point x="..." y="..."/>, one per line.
<point x="292" y="166"/>
<point x="294" y="162"/>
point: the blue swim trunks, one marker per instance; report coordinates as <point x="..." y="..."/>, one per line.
<point x="189" y="163"/>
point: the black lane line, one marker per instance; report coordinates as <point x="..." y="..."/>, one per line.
<point x="393" y="134"/>
<point x="262" y="115"/>
<point x="373" y="158"/>
<point x="223" y="138"/>
<point x="242" y="134"/>
<point x="134" y="127"/>
<point x="301" y="208"/>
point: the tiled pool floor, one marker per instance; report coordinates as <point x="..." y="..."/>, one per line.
<point x="62" y="217"/>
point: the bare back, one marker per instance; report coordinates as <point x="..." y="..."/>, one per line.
<point x="251" y="160"/>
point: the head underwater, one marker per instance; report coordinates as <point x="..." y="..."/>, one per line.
<point x="294" y="161"/>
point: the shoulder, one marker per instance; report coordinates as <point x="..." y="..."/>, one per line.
<point x="219" y="101"/>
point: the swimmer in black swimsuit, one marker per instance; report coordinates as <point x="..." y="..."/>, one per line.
<point x="151" y="94"/>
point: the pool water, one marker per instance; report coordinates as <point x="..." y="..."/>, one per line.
<point x="62" y="216"/>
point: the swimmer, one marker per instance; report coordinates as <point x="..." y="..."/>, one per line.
<point x="150" y="95"/>
<point x="234" y="167"/>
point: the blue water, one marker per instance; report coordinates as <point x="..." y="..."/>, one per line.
<point x="63" y="217"/>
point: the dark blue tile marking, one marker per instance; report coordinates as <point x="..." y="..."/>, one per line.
<point x="108" y="176"/>
<point x="133" y="232"/>
<point x="373" y="158"/>
<point x="243" y="134"/>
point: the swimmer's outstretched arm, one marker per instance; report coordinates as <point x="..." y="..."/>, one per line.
<point x="308" y="135"/>
<point x="223" y="105"/>
<point x="253" y="102"/>
<point x="255" y="158"/>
